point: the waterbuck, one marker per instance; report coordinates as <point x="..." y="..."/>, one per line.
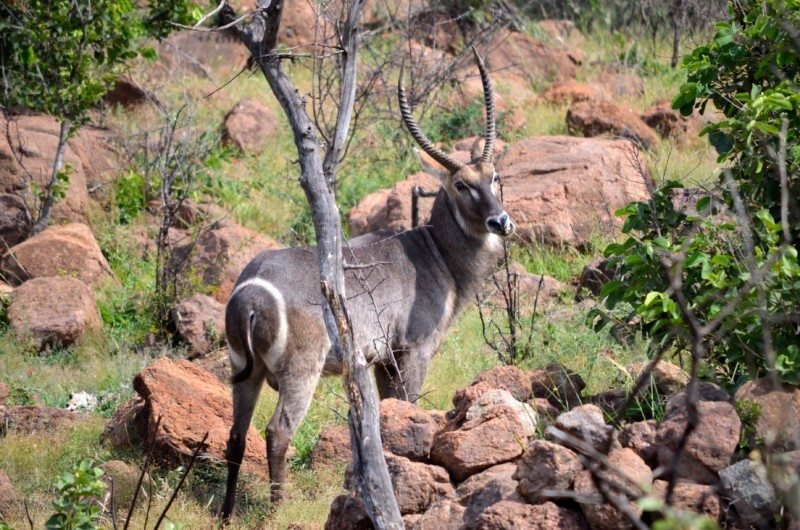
<point x="412" y="286"/>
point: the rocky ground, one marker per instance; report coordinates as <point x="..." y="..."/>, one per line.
<point x="519" y="449"/>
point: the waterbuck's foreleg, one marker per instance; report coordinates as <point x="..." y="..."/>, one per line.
<point x="245" y="396"/>
<point x="295" y="398"/>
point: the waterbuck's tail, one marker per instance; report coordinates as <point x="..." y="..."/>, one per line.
<point x="245" y="331"/>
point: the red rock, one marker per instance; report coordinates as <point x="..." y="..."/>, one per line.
<point x="200" y="321"/>
<point x="509" y="378"/>
<point x="217" y="362"/>
<point x="559" y="385"/>
<point x="672" y="125"/>
<point x="406" y="429"/>
<point x="594" y="118"/>
<point x="445" y="514"/>
<point x="546" y="466"/>
<point x="667" y="377"/>
<point x="127" y="93"/>
<point x="348" y="513"/>
<point x="492" y="437"/>
<point x="710" y="446"/>
<point x="128" y="426"/>
<point x="595" y="275"/>
<point x="517" y="55"/>
<point x="569" y="92"/>
<point x="488" y="487"/>
<point x="14" y="221"/>
<point x="641" y="437"/>
<point x="602" y="516"/>
<point x="333" y="448"/>
<point x="33" y="313"/>
<point x="559" y="190"/>
<point x="587" y="423"/>
<point x="219" y="255"/>
<point x="30" y="153"/>
<point x="249" y="126"/>
<point x="69" y="250"/>
<point x="620" y="86"/>
<point x="530" y="289"/>
<point x="416" y="485"/>
<point x="778" y="424"/>
<point x="124" y="479"/>
<point x="190" y="403"/>
<point x="695" y="498"/>
<point x="510" y="515"/>
<point x="34" y="419"/>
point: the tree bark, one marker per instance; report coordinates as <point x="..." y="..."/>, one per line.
<point x="317" y="180"/>
<point x="49" y="199"/>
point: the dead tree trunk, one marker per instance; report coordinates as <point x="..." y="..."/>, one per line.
<point x="317" y="180"/>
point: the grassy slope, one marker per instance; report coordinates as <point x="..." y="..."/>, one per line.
<point x="261" y="193"/>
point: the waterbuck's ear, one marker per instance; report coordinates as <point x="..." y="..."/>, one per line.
<point x="432" y="167"/>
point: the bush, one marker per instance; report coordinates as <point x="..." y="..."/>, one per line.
<point x="76" y="506"/>
<point x="727" y="287"/>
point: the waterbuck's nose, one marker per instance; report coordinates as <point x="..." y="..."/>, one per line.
<point x="500" y="224"/>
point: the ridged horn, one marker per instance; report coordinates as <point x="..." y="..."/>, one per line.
<point x="488" y="97"/>
<point x="405" y="110"/>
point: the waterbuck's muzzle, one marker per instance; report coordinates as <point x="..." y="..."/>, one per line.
<point x="502" y="225"/>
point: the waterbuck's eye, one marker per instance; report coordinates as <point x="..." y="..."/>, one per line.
<point x="495" y="178"/>
<point x="460" y="186"/>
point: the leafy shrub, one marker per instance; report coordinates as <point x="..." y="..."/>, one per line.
<point x="77" y="489"/>
<point x="732" y="280"/>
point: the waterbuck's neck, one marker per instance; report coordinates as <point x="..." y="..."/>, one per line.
<point x="469" y="259"/>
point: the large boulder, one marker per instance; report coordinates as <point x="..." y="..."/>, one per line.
<point x="530" y="289"/>
<point x="510" y="515"/>
<point x="559" y="190"/>
<point x="594" y="118"/>
<point x="633" y="474"/>
<point x="777" y="411"/>
<point x="515" y="57"/>
<point x="494" y="426"/>
<point x="667" y="377"/>
<point x="27" y="150"/>
<point x="569" y="92"/>
<point x="562" y="190"/>
<point x="348" y="513"/>
<point x="249" y="126"/>
<point x="212" y="55"/>
<point x="219" y="254"/>
<point x="406" y="429"/>
<point x="35" y="313"/>
<point x="641" y="438"/>
<point x="390" y="209"/>
<point x="711" y="444"/>
<point x="619" y="86"/>
<point x="191" y="402"/>
<point x="69" y="250"/>
<point x="200" y="321"/>
<point x="546" y="466"/>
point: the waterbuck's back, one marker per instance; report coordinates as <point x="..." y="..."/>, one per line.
<point x="400" y="294"/>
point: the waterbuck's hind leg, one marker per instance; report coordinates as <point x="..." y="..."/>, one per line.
<point x="245" y="396"/>
<point x="295" y="398"/>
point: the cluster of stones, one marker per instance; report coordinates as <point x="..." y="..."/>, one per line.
<point x="508" y="456"/>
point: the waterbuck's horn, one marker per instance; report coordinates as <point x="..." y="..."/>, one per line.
<point x="405" y="109"/>
<point x="488" y="96"/>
